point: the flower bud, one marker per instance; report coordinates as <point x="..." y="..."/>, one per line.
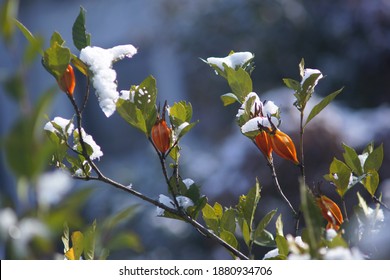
<point x="161" y="135"/>
<point x="283" y="146"/>
<point x="263" y="142"/>
<point x="331" y="212"/>
<point x="67" y="82"/>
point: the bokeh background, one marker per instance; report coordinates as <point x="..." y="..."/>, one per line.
<point x="349" y="41"/>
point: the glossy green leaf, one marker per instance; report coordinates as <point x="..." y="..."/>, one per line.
<point x="247" y="204"/>
<point x="80" y="65"/>
<point x="193" y="211"/>
<point x="321" y="105"/>
<point x="292" y="84"/>
<point x="339" y="175"/>
<point x="218" y="210"/>
<point x="374" y="159"/>
<point x="371" y="181"/>
<point x="228" y="220"/>
<point x="210" y="217"/>
<point x="180" y="113"/>
<point x="81" y="38"/>
<point x="229" y="98"/>
<point x="131" y="114"/>
<point x="56" y="38"/>
<point x="246" y="232"/>
<point x="264" y="238"/>
<point x="239" y="81"/>
<point x="229" y="238"/>
<point x="56" y="59"/>
<point x="264" y="223"/>
<point x="352" y="160"/>
<point x="279" y="225"/>
<point x="282" y="245"/>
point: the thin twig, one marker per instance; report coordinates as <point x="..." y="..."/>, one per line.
<point x="178" y="211"/>
<point x="376" y="200"/>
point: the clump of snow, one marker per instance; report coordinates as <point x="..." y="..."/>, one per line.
<point x="271" y="254"/>
<point x="341" y="253"/>
<point x="261" y="111"/>
<point x="330" y="234"/>
<point x="61" y="122"/>
<point x="188" y="182"/>
<point x="183" y="201"/>
<point x="308" y="72"/>
<point x="234" y="60"/>
<point x="96" y="151"/>
<point x="100" y="62"/>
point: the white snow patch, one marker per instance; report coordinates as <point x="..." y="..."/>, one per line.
<point x="100" y="63"/>
<point x="63" y="123"/>
<point x="234" y="61"/>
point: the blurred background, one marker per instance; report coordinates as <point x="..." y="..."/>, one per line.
<point x="349" y="41"/>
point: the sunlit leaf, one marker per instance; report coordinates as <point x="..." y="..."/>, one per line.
<point x="352" y="160"/>
<point x="292" y="84"/>
<point x="239" y="81"/>
<point x="229" y="98"/>
<point x="339" y="175"/>
<point x="282" y="245"/>
<point x="228" y="220"/>
<point x="89" y="242"/>
<point x="247" y="204"/>
<point x="263" y="224"/>
<point x="374" y="159"/>
<point x="229" y="238"/>
<point x="371" y="181"/>
<point x="81" y="38"/>
<point x="321" y="105"/>
<point x="313" y="219"/>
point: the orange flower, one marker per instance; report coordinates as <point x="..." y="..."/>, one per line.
<point x="67" y="82"/>
<point x="263" y="142"/>
<point x="161" y="135"/>
<point x="331" y="212"/>
<point x="283" y="146"/>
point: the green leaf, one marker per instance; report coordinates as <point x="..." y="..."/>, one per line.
<point x="374" y="159"/>
<point x="313" y="220"/>
<point x="263" y="223"/>
<point x="79" y="64"/>
<point x="65" y="238"/>
<point x="292" y="84"/>
<point x="321" y="105"/>
<point x="246" y="232"/>
<point x="56" y="38"/>
<point x="339" y="175"/>
<point x="210" y="218"/>
<point x="265" y="238"/>
<point x="363" y="204"/>
<point x="180" y="113"/>
<point x="229" y="98"/>
<point x="282" y="245"/>
<point x="89" y="242"/>
<point x="77" y="244"/>
<point x="81" y="38"/>
<point x="131" y="114"/>
<point x="279" y="226"/>
<point x="218" y="210"/>
<point x="239" y="81"/>
<point x="371" y="182"/>
<point x="56" y="59"/>
<point x="247" y="204"/>
<point x="229" y="238"/>
<point x="28" y="35"/>
<point x="228" y="220"/>
<point x="193" y="211"/>
<point x="351" y="158"/>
